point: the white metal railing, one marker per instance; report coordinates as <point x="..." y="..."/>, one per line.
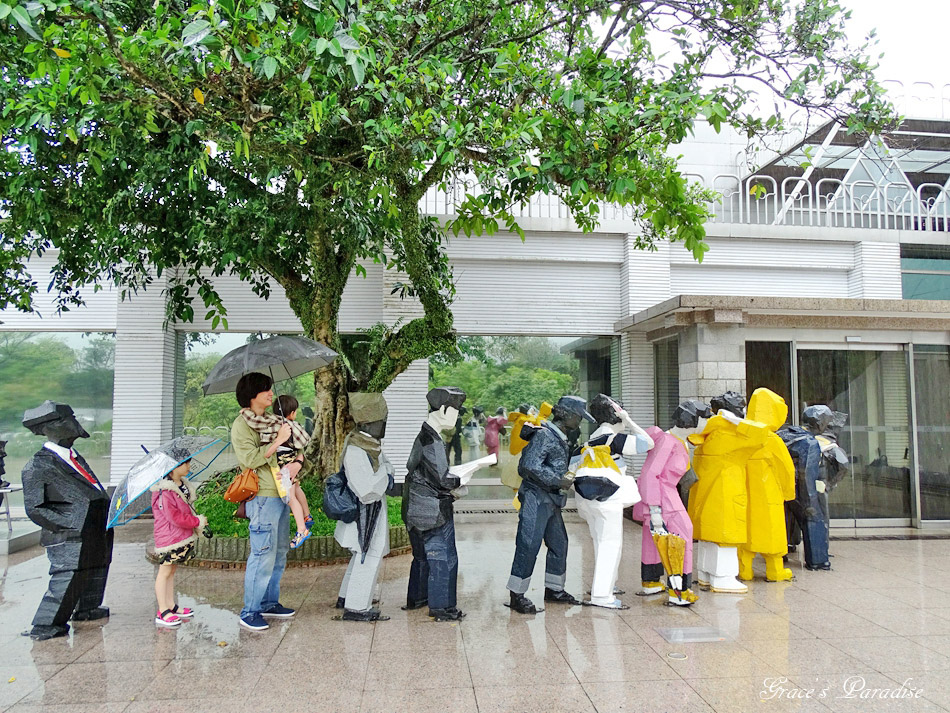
<point x="761" y="200"/>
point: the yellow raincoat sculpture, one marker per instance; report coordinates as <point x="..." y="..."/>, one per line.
<point x="718" y="503"/>
<point x="771" y="481"/>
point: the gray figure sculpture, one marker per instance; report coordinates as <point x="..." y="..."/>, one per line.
<point x="63" y="496"/>
<point x="370" y="476"/>
<point x="544" y="471"/>
<point x="428" y="511"/>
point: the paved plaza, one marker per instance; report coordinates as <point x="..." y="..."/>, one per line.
<point x="827" y="641"/>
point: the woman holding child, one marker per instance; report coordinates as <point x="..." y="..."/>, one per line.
<point x="256" y="436"/>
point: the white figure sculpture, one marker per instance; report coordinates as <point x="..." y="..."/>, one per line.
<point x="604" y="510"/>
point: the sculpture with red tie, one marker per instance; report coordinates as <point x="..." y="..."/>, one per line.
<point x="62" y="495"/>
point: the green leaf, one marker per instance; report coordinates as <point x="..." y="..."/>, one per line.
<point x="269" y="10"/>
<point x="22" y="18"/>
<point x="270" y="67"/>
<point x="194" y="28"/>
<point x="4" y="10"/>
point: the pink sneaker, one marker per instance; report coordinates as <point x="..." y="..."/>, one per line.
<point x="183" y="612"/>
<point x="167" y="619"/>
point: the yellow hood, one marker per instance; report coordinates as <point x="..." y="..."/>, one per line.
<point x="767" y="407"/>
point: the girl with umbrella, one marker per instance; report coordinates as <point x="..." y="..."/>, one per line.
<point x="176" y="525"/>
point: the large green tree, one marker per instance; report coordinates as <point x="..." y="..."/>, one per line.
<point x="288" y="144"/>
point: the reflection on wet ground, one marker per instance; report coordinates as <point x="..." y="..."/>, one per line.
<point x="872" y="635"/>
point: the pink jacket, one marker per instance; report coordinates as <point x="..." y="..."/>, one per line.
<point x="175" y="519"/>
<point x="666" y="463"/>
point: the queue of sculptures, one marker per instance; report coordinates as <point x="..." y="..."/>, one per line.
<point x="754" y="481"/>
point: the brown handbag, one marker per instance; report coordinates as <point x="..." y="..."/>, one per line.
<point x="243" y="487"/>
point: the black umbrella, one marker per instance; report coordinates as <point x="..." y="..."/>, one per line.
<point x="279" y="357"/>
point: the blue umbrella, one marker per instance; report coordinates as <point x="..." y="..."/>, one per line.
<point x="132" y="497"/>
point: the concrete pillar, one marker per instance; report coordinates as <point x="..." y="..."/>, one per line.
<point x="711" y="360"/>
<point x="147" y="355"/>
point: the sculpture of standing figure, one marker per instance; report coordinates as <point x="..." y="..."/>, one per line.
<point x="62" y="495"/>
<point x="806" y="508"/>
<point x="370" y="476"/>
<point x="834" y="461"/>
<point x="544" y="471"/>
<point x="661" y="508"/>
<point x="771" y="481"/>
<point x="604" y="510"/>
<point x="718" y="503"/>
<point x="428" y="511"/>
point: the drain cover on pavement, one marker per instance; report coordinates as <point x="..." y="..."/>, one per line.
<point x="691" y="634"/>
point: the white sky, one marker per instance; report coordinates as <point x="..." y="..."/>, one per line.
<point x="911" y="33"/>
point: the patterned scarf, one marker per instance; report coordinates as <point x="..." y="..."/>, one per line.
<point x="267" y="425"/>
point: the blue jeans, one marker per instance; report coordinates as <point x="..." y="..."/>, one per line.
<point x="270" y="542"/>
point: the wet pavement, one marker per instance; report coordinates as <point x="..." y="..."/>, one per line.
<point x="872" y="635"/>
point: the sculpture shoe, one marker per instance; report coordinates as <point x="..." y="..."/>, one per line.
<point x="91" y="614"/>
<point x="521" y="604"/>
<point x="415" y="605"/>
<point x="648" y="588"/>
<point x="368" y="615"/>
<point x="560" y="596"/>
<point x="683" y="599"/>
<point x="42" y="633"/>
<point x="451" y="614"/>
<point x="727" y="585"/>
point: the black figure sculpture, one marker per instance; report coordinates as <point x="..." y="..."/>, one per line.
<point x="428" y="511"/>
<point x="63" y="496"/>
<point x="544" y="471"/>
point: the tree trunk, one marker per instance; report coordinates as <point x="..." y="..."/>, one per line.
<point x="331" y="421"/>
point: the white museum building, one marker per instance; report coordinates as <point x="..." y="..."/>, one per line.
<point x="828" y="283"/>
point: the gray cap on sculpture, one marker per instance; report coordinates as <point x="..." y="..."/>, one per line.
<point x="450" y="396"/>
<point x="575" y="405"/>
<point x="367" y="406"/>
<point x="45" y="412"/>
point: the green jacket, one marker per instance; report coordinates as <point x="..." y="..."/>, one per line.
<point x="250" y="454"/>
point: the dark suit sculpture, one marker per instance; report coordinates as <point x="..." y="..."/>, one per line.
<point x="63" y="496"/>
<point x="806" y="508"/>
<point x="428" y="511"/>
<point x="544" y="471"/>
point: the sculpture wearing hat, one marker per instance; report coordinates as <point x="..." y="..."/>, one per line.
<point x="661" y="509"/>
<point x="770" y="481"/>
<point x="370" y="476"/>
<point x="544" y="471"/>
<point x="718" y="501"/>
<point x="63" y="496"/>
<point x="806" y="508"/>
<point x="428" y="511"/>
<point x="604" y="489"/>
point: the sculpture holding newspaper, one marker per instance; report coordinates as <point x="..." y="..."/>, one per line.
<point x="429" y="492"/>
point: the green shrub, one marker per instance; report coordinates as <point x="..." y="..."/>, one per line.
<point x="220" y="513"/>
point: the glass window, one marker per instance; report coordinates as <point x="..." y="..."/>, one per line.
<point x="769" y="365"/>
<point x="872" y="388"/>
<point x="932" y="386"/>
<point x="666" y="370"/>
<point x="925" y="272"/>
<point x="508" y="371"/>
<point x="72" y="368"/>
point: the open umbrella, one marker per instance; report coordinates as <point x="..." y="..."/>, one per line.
<point x="280" y="357"/>
<point x="132" y="496"/>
